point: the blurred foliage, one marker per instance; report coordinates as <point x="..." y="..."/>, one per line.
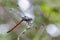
<point x="10" y="36"/>
<point x="44" y="13"/>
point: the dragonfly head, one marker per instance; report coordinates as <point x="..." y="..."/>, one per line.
<point x="27" y="19"/>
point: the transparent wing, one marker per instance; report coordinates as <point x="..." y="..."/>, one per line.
<point x="25" y="9"/>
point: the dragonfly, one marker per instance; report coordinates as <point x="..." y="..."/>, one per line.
<point x="27" y="19"/>
<point x="26" y="15"/>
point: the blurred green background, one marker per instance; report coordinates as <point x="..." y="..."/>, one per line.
<point x="45" y="12"/>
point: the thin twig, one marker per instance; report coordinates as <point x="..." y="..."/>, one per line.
<point x="23" y="32"/>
